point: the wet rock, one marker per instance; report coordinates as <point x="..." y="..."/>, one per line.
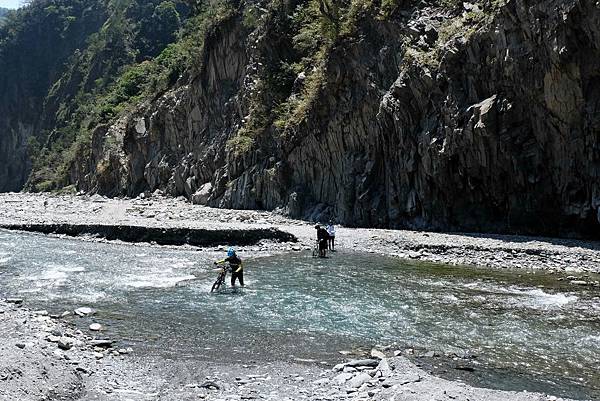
<point x="84" y="311"/>
<point x="101" y="343"/>
<point x="363" y="362"/>
<point x="95" y="327"/>
<point x="579" y="282"/>
<point x="465" y="368"/>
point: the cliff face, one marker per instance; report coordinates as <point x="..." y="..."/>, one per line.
<point x="33" y="50"/>
<point x="472" y="116"/>
<point x="65" y="67"/>
<point x="480" y="117"/>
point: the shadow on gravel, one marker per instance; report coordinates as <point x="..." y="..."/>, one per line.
<point x="592" y="244"/>
<point x="160" y="236"/>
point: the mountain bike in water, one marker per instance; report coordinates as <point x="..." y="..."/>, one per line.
<point x="220" y="280"/>
<point x="316" y="253"/>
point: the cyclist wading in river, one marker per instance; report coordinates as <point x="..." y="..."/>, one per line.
<point x="235" y="266"/>
<point x="322" y="238"/>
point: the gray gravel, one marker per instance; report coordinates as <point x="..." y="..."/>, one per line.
<point x="498" y="251"/>
<point x="33" y="367"/>
<point x="46" y="358"/>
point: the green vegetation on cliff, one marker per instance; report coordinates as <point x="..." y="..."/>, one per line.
<point x="99" y="60"/>
<point x="311" y="31"/>
<point x="439" y="113"/>
<point x="116" y="66"/>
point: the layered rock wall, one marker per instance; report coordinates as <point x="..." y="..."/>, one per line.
<point x="470" y="121"/>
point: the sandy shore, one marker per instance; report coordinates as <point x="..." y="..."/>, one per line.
<point x="498" y="251"/>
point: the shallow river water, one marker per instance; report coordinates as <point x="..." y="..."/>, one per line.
<point x="528" y="330"/>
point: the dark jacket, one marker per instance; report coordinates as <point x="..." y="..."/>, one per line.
<point x="235" y="263"/>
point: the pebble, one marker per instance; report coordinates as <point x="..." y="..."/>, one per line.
<point x="53" y="338"/>
<point x="101" y="343"/>
<point x="84" y="311"/>
<point x="65" y="343"/>
<point x="95" y="327"/>
<point x="20" y="345"/>
<point x="375" y="353"/>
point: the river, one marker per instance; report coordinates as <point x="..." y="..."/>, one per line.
<point x="523" y="329"/>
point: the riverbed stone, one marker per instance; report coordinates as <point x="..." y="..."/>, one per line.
<point x="339" y="367"/>
<point x="359" y="380"/>
<point x="95" y="327"/>
<point x="101" y="343"/>
<point x="375" y="353"/>
<point x="52" y="338"/>
<point x="65" y="343"/>
<point x="84" y="311"/>
<point x="342" y="378"/>
<point x="384" y="368"/>
<point x="363" y="362"/>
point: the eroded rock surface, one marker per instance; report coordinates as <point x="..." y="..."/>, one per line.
<point x="416" y="126"/>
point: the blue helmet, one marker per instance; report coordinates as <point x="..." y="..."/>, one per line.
<point x="230" y="252"/>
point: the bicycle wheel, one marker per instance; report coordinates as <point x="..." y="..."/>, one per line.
<point x="218" y="283"/>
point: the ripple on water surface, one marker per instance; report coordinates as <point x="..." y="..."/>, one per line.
<point x="523" y="325"/>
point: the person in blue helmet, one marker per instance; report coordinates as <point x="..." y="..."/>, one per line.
<point x="236" y="266"/>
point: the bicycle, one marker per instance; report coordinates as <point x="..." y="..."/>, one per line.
<point x="220" y="280"/>
<point x="316" y="253"/>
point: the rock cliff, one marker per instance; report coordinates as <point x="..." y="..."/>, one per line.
<point x="477" y="115"/>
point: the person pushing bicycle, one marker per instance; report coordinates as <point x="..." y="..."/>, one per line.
<point x="236" y="266"/>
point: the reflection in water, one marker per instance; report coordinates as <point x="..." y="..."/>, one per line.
<point x="525" y="327"/>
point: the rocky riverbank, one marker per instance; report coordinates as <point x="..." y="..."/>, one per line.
<point x="46" y="358"/>
<point x="498" y="251"/>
